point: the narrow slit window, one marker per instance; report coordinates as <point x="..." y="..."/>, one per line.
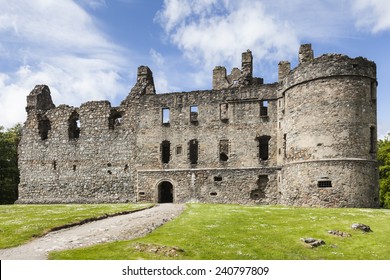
<point x="264" y="147"/>
<point x="165" y="151"/>
<point x="372" y="139"/>
<point x="74" y="126"/>
<point x="223" y="150"/>
<point x="165" y="116"/>
<point x="194" y="113"/>
<point x="373" y="92"/>
<point x="193" y="151"/>
<point x="264" y="108"/>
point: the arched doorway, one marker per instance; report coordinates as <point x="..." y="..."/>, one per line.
<point x="165" y="192"/>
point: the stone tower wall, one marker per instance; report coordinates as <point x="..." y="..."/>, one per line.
<point x="329" y="123"/>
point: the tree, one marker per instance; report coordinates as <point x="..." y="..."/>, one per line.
<point x="384" y="171"/>
<point x="9" y="172"/>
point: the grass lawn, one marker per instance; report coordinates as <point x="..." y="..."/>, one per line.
<point x="206" y="232"/>
<point x="21" y="223"/>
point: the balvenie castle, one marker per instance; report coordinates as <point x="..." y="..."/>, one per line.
<point x="308" y="140"/>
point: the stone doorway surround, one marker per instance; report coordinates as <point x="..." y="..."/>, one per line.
<point x="165" y="192"/>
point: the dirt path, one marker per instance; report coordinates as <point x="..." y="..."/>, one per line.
<point x="123" y="227"/>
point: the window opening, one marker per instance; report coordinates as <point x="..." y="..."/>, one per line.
<point x="54" y="165"/>
<point x="223" y="150"/>
<point x="324" y="184"/>
<point x="264" y="147"/>
<point x="223" y="111"/>
<point x="165" y="151"/>
<point x="372" y="139"/>
<point x="264" y="108"/>
<point x="74" y="126"/>
<point x="126" y="168"/>
<point x="213" y="194"/>
<point x="285" y="145"/>
<point x="194" y="113"/>
<point x="373" y="92"/>
<point x="193" y="151"/>
<point x="165" y="116"/>
<point x="218" y="178"/>
<point x="115" y="119"/>
<point x="74" y="167"/>
<point x="44" y="126"/>
<point x="179" y="150"/>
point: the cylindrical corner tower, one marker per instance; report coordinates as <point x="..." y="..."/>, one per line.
<point x="328" y="133"/>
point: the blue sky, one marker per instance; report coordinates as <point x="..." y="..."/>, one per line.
<point x="90" y="49"/>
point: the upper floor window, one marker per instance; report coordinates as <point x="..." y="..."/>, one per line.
<point x="223" y="150"/>
<point x="74" y="126"/>
<point x="165" y="116"/>
<point x="373" y="139"/>
<point x="194" y="113"/>
<point x="264" y="108"/>
<point x="115" y="119"/>
<point x="193" y="151"/>
<point x="165" y="151"/>
<point x="44" y="126"/>
<point x="223" y="112"/>
<point x="264" y="147"/>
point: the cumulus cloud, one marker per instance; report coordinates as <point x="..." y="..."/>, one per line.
<point x="212" y="32"/>
<point x="55" y="43"/>
<point x="372" y="15"/>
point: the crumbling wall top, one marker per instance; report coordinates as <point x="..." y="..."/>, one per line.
<point x="39" y="99"/>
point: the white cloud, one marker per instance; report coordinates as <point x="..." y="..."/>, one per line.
<point x="373" y="15"/>
<point x="215" y="32"/>
<point x="55" y="43"/>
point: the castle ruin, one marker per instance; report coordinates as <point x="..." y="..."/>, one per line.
<point x="308" y="140"/>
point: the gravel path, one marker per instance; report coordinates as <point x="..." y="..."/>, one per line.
<point x="122" y="227"/>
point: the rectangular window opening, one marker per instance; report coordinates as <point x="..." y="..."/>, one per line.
<point x="218" y="178"/>
<point x="165" y="151"/>
<point x="264" y="147"/>
<point x="264" y="108"/>
<point x="179" y="150"/>
<point x="165" y="116"/>
<point x="223" y="111"/>
<point x="223" y="150"/>
<point x="193" y="151"/>
<point x="372" y="139"/>
<point x="324" y="184"/>
<point x="194" y="113"/>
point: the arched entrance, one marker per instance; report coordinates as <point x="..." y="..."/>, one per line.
<point x="165" y="192"/>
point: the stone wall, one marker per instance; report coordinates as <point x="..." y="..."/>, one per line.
<point x="307" y="140"/>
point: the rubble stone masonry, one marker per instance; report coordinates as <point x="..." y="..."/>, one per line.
<point x="307" y="140"/>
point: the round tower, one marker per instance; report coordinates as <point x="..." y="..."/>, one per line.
<point x="328" y="132"/>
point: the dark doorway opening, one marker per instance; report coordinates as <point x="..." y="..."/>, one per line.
<point x="165" y="192"/>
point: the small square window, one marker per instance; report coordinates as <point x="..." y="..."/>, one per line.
<point x="179" y="150"/>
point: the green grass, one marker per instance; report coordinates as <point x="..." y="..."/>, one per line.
<point x="21" y="223"/>
<point x="207" y="232"/>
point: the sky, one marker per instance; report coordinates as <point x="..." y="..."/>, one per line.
<point x="88" y="50"/>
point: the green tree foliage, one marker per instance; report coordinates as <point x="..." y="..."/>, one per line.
<point x="384" y="171"/>
<point x="9" y="172"/>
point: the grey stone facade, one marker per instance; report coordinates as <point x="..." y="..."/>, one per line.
<point x="309" y="139"/>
